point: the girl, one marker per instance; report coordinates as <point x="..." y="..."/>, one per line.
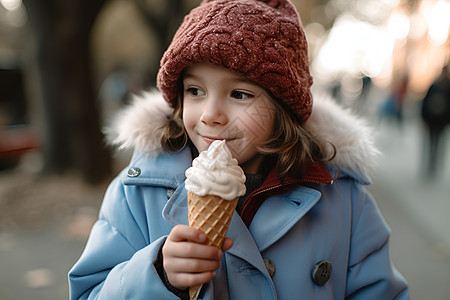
<point x="306" y="228"/>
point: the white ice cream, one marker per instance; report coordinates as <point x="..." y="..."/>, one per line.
<point x="216" y="172"/>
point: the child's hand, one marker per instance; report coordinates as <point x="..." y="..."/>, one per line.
<point x="186" y="261"/>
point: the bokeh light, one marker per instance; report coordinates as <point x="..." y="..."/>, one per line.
<point x="354" y="47"/>
<point x="439" y="23"/>
<point x="11" y="5"/>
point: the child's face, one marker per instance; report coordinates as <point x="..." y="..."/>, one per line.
<point x="220" y="104"/>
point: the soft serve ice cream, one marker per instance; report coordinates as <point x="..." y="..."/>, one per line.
<point x="216" y="172"/>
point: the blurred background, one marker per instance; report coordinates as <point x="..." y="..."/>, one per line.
<point x="67" y="66"/>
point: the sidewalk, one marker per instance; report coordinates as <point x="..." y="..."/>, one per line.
<point x="44" y="225"/>
<point x="416" y="209"/>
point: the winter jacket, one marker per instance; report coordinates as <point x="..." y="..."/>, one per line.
<point x="317" y="241"/>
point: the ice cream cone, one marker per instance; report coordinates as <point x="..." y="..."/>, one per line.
<point x="212" y="215"/>
<point x="193" y="291"/>
<point x="214" y="184"/>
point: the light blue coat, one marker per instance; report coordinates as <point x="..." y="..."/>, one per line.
<point x="339" y="223"/>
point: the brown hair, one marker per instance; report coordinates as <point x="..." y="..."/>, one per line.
<point x="174" y="137"/>
<point x="290" y="145"/>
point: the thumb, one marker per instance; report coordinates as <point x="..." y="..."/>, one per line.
<point x="227" y="244"/>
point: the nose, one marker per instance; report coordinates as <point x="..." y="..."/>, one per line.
<point x="214" y="112"/>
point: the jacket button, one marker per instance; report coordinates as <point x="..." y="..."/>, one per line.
<point x="170" y="193"/>
<point x="321" y="272"/>
<point x="133" y="172"/>
<point x="270" y="266"/>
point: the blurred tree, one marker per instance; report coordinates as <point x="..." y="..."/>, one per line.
<point x="60" y="86"/>
<point x="164" y="18"/>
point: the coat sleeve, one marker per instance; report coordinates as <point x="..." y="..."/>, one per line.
<point x="118" y="260"/>
<point x="371" y="274"/>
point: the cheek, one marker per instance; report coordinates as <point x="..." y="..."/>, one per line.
<point x="189" y="117"/>
<point x="260" y="121"/>
<point x="256" y="130"/>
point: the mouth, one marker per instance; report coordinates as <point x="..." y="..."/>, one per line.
<point x="209" y="139"/>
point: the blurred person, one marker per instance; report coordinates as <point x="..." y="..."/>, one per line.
<point x="435" y="113"/>
<point x="393" y="106"/>
<point x="306" y="227"/>
<point x="399" y="96"/>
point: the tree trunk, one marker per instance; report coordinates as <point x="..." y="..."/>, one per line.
<point x="64" y="96"/>
<point x="164" y="17"/>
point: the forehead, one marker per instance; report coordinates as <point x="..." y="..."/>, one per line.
<point x="206" y="71"/>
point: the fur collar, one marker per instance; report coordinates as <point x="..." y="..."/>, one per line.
<point x="138" y="126"/>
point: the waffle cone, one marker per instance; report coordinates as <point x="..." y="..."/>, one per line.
<point x="212" y="215"/>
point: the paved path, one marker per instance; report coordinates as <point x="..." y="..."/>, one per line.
<point x="416" y="208"/>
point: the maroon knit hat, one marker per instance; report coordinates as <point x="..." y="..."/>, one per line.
<point x="263" y="40"/>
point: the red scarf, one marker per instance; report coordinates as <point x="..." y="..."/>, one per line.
<point x="273" y="185"/>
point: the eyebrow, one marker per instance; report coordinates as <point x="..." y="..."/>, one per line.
<point x="186" y="74"/>
<point x="242" y="78"/>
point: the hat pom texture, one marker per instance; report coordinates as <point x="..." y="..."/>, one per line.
<point x="263" y="40"/>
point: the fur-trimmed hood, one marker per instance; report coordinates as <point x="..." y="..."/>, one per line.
<point x="138" y="126"/>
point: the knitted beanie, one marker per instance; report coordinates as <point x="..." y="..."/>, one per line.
<point x="263" y="40"/>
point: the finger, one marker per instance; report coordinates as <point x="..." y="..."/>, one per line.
<point x="184" y="280"/>
<point x="192" y="250"/>
<point x="227" y="244"/>
<point x="185" y="233"/>
<point x="183" y="265"/>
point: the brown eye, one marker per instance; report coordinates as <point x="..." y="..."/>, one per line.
<point x="195" y="91"/>
<point x="239" y="95"/>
